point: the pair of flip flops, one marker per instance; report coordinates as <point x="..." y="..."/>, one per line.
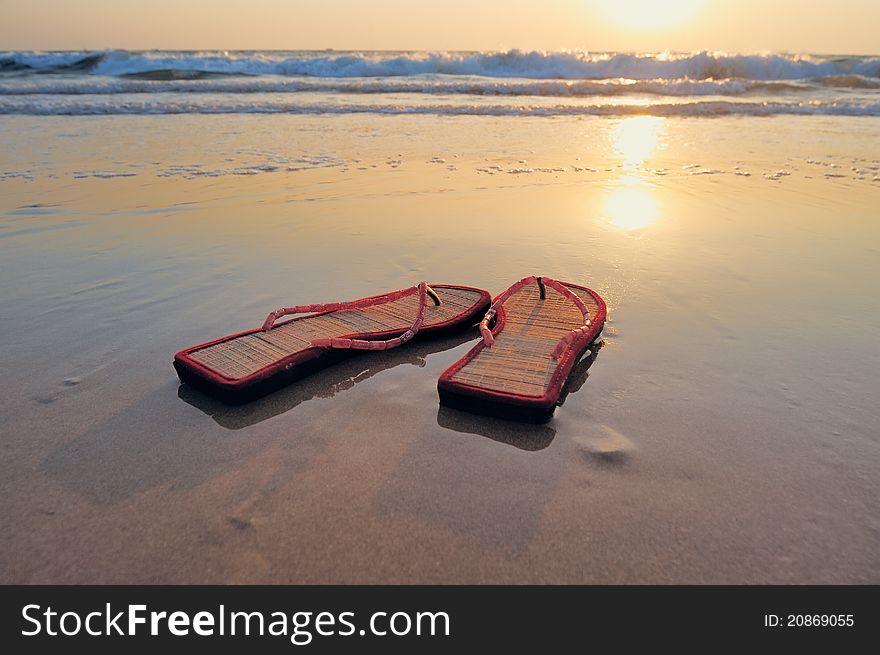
<point x="532" y="335"/>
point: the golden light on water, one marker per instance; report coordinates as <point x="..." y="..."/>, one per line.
<point x="636" y="139"/>
<point x="631" y="204"/>
<point x="648" y="15"/>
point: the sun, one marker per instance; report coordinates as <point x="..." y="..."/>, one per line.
<point x="647" y="15"/>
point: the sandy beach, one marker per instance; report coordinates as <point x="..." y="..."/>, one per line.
<point x="725" y="431"/>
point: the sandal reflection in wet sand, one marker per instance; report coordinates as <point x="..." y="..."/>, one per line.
<point x="323" y="384"/>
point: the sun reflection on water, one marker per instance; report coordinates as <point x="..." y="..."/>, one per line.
<point x="631" y="204"/>
<point x="636" y="139"/>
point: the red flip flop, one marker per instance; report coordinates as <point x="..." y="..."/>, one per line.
<point x="244" y="366"/>
<point x="520" y="366"/>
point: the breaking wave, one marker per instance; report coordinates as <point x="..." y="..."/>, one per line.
<point x="514" y="83"/>
<point x="513" y="63"/>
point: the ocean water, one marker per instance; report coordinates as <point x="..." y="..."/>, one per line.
<point x="444" y="83"/>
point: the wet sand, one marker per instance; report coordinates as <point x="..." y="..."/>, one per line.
<point x="725" y="431"/>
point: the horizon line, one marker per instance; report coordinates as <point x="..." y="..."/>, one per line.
<point x="462" y="50"/>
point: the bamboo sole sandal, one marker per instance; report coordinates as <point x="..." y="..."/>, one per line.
<point x="520" y="366"/>
<point x="244" y="366"/>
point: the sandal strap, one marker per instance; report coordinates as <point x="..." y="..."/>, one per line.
<point x="422" y="289"/>
<point x="489" y="338"/>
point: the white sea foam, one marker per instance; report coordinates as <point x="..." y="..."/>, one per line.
<point x="103" y="175"/>
<point x="102" y="85"/>
<point x="91" y="105"/>
<point x="16" y="175"/>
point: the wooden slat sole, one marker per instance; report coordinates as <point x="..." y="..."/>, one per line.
<point x="519" y="362"/>
<point x="242" y="356"/>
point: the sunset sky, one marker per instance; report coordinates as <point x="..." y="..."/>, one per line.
<point x="843" y="27"/>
